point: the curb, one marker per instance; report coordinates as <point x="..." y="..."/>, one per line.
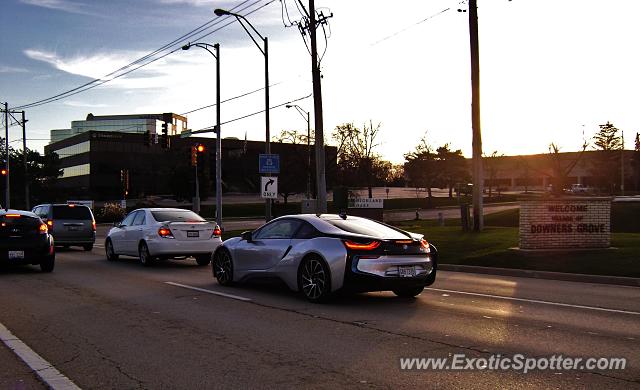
<point x="523" y="273"/>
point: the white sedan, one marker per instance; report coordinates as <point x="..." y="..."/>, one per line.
<point x="163" y="233"/>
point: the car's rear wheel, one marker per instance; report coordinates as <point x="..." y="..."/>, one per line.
<point x="314" y="279"/>
<point x="87" y="247"/>
<point x="411" y="292"/>
<point x="144" y="256"/>
<point x="111" y="254"/>
<point x="203" y="260"/>
<point x="223" y="267"/>
<point x="48" y="263"/>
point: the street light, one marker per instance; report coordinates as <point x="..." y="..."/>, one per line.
<point x="305" y="116"/>
<point x="216" y="47"/>
<point x="265" y="52"/>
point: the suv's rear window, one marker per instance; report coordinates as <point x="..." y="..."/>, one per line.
<point x="69" y="212"/>
<point x="367" y="227"/>
<point x="176" y="216"/>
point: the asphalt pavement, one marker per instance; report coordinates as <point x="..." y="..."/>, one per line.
<point x="120" y="325"/>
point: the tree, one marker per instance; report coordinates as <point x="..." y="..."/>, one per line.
<point x="358" y="163"/>
<point x="421" y="167"/>
<point x="607" y="166"/>
<point x="607" y="138"/>
<point x="560" y="169"/>
<point x="453" y="167"/>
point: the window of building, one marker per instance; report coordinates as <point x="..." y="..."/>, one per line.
<point x="76" y="170"/>
<point x="73" y="150"/>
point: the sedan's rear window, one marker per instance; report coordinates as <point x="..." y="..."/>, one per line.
<point x="367" y="227"/>
<point x="176" y="216"/>
<point x="72" y="212"/>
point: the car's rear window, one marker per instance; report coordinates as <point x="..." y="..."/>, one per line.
<point x="367" y="227"/>
<point x="176" y="216"/>
<point x="72" y="212"/>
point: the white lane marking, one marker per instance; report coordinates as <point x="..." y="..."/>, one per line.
<point x="52" y="377"/>
<point x="535" y="301"/>
<point x="210" y="292"/>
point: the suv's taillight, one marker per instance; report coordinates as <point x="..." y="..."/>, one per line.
<point x="49" y="222"/>
<point x="165" y="233"/>
<point x="361" y="247"/>
<point x="93" y="225"/>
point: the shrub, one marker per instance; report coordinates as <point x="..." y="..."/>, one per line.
<point x="111" y="212"/>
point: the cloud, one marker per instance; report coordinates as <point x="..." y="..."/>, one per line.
<point x="96" y="66"/>
<point x="11" y="69"/>
<point x="60" y="5"/>
<point x="74" y="103"/>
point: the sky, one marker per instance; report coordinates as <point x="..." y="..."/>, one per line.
<point x="551" y="70"/>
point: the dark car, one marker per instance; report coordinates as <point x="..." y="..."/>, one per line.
<point x="25" y="239"/>
<point x="70" y="224"/>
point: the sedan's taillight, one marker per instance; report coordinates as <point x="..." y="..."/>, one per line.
<point x="43" y="229"/>
<point x="217" y="232"/>
<point x="424" y="244"/>
<point x="361" y="247"/>
<point x="165" y="233"/>
<point x="49" y="223"/>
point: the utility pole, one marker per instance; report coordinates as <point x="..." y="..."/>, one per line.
<point x="478" y="180"/>
<point x="218" y="142"/>
<point x="321" y="182"/>
<point x="6" y="149"/>
<point x="266" y="113"/>
<point x="622" y="166"/>
<point x="24" y="161"/>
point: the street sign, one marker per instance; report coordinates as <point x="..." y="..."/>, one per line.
<point x="269" y="163"/>
<point x="269" y="187"/>
<point x="366" y="203"/>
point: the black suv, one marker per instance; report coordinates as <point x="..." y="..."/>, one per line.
<point x="70" y="224"/>
<point x="25" y="239"/>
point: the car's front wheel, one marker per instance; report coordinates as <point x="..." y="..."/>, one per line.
<point x="144" y="256"/>
<point x="408" y="292"/>
<point x="314" y="279"/>
<point x="111" y="254"/>
<point x="223" y="267"/>
<point x="203" y="260"/>
<point x="48" y="263"/>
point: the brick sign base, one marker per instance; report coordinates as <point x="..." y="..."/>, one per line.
<point x="565" y="223"/>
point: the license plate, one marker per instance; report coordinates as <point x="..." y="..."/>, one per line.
<point x="407" y="271"/>
<point x="73" y="228"/>
<point x="193" y="234"/>
<point x="16" y="255"/>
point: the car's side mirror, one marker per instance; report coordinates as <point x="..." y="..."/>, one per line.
<point x="246" y="236"/>
<point x="117" y="224"/>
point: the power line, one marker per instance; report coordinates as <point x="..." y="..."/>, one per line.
<point x="408" y="27"/>
<point x="97" y="82"/>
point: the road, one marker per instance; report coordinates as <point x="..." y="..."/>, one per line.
<point x="120" y="325"/>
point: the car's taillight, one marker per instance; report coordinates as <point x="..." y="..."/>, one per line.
<point x="216" y="232"/>
<point x="165" y="233"/>
<point x="425" y="245"/>
<point x="361" y="247"/>
<point x="49" y="223"/>
<point x="93" y="225"/>
<point x="43" y="229"/>
<point x="12" y="215"/>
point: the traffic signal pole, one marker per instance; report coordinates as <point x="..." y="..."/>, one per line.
<point x="6" y="149"/>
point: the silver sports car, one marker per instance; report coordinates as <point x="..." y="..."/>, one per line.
<point x="321" y="254"/>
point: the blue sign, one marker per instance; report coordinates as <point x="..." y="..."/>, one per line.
<point x="269" y="163"/>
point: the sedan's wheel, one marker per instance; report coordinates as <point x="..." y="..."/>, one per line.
<point x="203" y="260"/>
<point x="48" y="263"/>
<point x="408" y="292"/>
<point x="223" y="267"/>
<point x="108" y="248"/>
<point x="314" y="279"/>
<point x="144" y="255"/>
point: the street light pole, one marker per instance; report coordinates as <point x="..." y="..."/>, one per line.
<point x="478" y="180"/>
<point x="306" y="116"/>
<point x="6" y="149"/>
<point x="218" y="131"/>
<point x="265" y="52"/>
<point x="24" y="161"/>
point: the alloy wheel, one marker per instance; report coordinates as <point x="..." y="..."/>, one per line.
<point x="314" y="279"/>
<point x="223" y="267"/>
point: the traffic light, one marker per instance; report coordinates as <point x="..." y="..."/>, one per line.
<point x="200" y="148"/>
<point x="194" y="155"/>
<point x="165" y="140"/>
<point x="3" y="171"/>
